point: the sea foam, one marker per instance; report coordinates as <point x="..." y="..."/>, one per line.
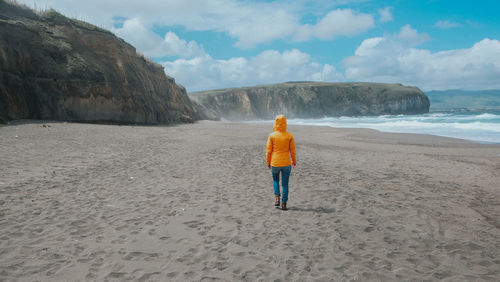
<point x="477" y="126"/>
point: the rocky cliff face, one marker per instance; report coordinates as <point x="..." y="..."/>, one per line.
<point x="310" y="100"/>
<point x="52" y="67"/>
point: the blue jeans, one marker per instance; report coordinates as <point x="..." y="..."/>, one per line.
<point x="285" y="175"/>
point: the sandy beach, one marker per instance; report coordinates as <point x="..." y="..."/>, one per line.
<point x="86" y="202"/>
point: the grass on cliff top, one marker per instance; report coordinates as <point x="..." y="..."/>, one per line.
<point x="49" y="16"/>
<point x="13" y="8"/>
<point x="53" y="17"/>
<point x="291" y="84"/>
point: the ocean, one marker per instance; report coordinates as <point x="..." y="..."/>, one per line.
<point x="481" y="126"/>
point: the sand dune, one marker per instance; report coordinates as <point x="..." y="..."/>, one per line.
<point x="82" y="202"/>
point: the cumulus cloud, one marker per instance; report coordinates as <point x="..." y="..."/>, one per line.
<point x="270" y="66"/>
<point x="153" y="45"/>
<point x="410" y="37"/>
<point x="445" y="24"/>
<point x="261" y="28"/>
<point x="250" y="23"/>
<point x="395" y="58"/>
<point x="385" y="14"/>
<point x="335" y="23"/>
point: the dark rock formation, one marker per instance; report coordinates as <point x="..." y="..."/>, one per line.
<point x="56" y="68"/>
<point x="310" y="100"/>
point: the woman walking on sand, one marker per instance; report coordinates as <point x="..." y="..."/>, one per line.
<point x="280" y="146"/>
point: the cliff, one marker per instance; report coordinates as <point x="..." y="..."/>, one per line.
<point x="310" y="100"/>
<point x="53" y="67"/>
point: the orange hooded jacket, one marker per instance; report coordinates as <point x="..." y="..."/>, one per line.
<point x="280" y="145"/>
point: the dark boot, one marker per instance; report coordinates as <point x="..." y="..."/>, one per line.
<point x="277" y="202"/>
<point x="283" y="207"/>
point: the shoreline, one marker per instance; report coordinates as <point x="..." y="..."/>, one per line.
<point x="195" y="202"/>
<point x="459" y="140"/>
<point x="460" y="127"/>
<point x="28" y="121"/>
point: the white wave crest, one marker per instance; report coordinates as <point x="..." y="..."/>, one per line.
<point x="482" y="127"/>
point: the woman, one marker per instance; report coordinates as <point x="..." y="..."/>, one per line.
<point x="280" y="146"/>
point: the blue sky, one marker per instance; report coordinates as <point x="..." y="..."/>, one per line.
<point x="431" y="44"/>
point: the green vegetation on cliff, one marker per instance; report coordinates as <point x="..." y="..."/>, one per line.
<point x="310" y="100"/>
<point x="53" y="67"/>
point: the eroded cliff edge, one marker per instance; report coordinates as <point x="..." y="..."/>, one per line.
<point x="53" y="67"/>
<point x="310" y="100"/>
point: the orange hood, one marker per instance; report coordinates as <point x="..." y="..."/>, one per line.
<point x="280" y="123"/>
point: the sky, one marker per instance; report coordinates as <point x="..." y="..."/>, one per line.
<point x="213" y="44"/>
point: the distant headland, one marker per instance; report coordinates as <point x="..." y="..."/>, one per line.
<point x="310" y="100"/>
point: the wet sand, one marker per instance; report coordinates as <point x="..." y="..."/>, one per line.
<point x="82" y="202"/>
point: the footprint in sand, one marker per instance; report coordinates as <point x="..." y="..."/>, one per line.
<point x="141" y="256"/>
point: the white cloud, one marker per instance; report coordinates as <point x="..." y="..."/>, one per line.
<point x="335" y="23"/>
<point x="264" y="26"/>
<point x="395" y="59"/>
<point x="410" y="37"/>
<point x="175" y="46"/>
<point x="445" y="24"/>
<point x="270" y="66"/>
<point x="385" y="14"/>
<point x="153" y="45"/>
<point x="250" y="23"/>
